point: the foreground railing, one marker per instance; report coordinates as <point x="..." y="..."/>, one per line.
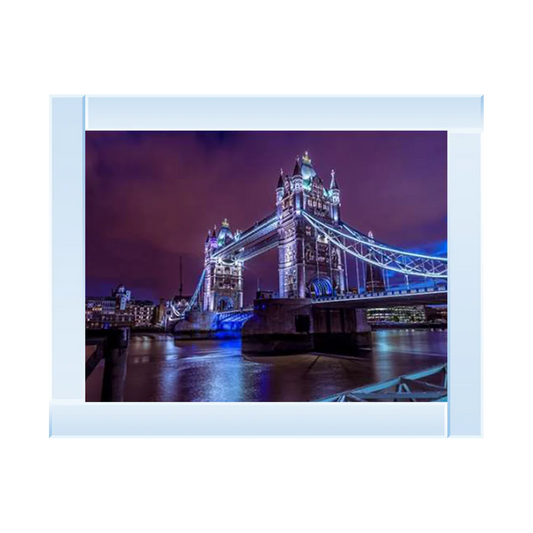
<point x="112" y="346"/>
<point x="411" y="388"/>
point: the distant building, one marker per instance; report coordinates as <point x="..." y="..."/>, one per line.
<point x="122" y="297"/>
<point x="437" y="314"/>
<point x="118" y="310"/>
<point x="162" y="313"/>
<point x="264" y="295"/>
<point x="401" y="315"/>
<point x="104" y="305"/>
<point x="103" y="313"/>
<point x="143" y="313"/>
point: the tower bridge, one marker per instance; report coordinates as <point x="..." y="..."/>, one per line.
<point x="314" y="243"/>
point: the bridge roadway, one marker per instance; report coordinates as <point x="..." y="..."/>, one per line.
<point x="254" y="241"/>
<point x="390" y="298"/>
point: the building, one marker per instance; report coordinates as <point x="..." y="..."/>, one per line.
<point x="100" y="306"/>
<point x="400" y="315"/>
<point x="437" y="314"/>
<point x="118" y="310"/>
<point x="122" y="297"/>
<point x="264" y="295"/>
<point x="162" y="313"/>
<point x="419" y="314"/>
<point x="308" y="264"/>
<point x="102" y="312"/>
<point x="143" y="312"/>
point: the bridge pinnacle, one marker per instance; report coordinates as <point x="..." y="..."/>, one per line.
<point x="333" y="184"/>
<point x="280" y="180"/>
<point x="297" y="171"/>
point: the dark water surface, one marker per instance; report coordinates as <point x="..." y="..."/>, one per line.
<point x="161" y="369"/>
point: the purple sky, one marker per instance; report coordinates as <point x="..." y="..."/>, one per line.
<point x="152" y="196"/>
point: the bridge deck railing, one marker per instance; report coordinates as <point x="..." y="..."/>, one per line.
<point x="390" y="292"/>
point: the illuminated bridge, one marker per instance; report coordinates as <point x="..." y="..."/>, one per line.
<point x="314" y="244"/>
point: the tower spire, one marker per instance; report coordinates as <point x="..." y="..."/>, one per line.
<point x="280" y="180"/>
<point x="297" y="170"/>
<point x="333" y="184"/>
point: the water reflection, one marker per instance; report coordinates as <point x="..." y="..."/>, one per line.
<point x="164" y="370"/>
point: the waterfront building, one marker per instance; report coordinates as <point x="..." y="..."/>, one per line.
<point x="103" y="305"/>
<point x="397" y="315"/>
<point x="118" y="310"/>
<point x="102" y="313"/>
<point x="122" y="297"/>
<point x="143" y="312"/>
<point x="262" y="294"/>
<point x="437" y="314"/>
<point x="162" y="313"/>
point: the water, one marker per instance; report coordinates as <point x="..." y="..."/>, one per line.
<point x="163" y="370"/>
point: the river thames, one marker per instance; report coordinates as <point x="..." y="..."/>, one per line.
<point x="161" y="369"/>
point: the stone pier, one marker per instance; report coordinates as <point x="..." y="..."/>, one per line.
<point x="279" y="326"/>
<point x="290" y="326"/>
<point x="340" y="330"/>
<point x="197" y="325"/>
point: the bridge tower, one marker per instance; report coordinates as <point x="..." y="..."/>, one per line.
<point x="223" y="287"/>
<point x="308" y="264"/>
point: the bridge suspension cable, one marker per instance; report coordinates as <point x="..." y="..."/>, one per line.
<point x="194" y="297"/>
<point x="370" y="251"/>
<point x="192" y="301"/>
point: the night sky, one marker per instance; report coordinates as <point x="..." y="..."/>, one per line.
<point x="152" y="196"/>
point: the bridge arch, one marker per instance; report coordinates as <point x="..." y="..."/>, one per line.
<point x="225" y="303"/>
<point x="320" y="287"/>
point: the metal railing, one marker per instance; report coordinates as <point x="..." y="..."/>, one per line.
<point x="381" y="294"/>
<point x="112" y="347"/>
<point x="413" y="387"/>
